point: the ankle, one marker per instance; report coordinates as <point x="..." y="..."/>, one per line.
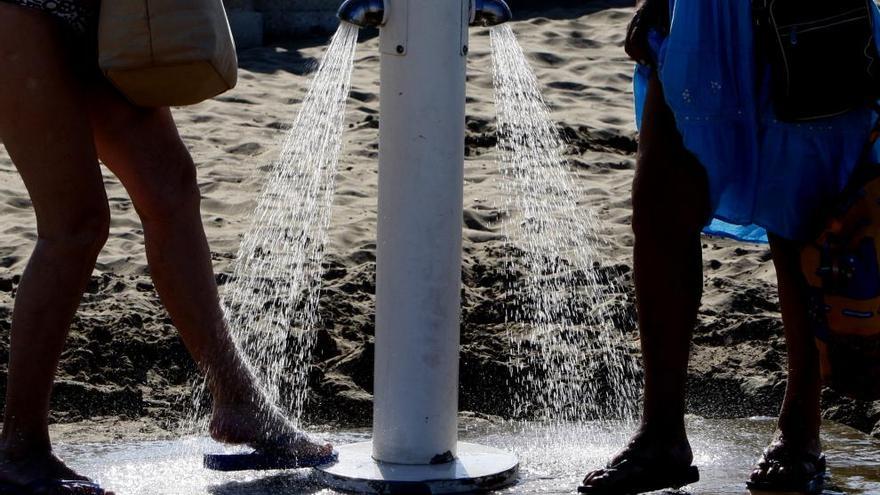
<point x="656" y="446"/>
<point x="798" y="436"/>
<point x="234" y="390"/>
<point x="237" y="400"/>
<point x="664" y="429"/>
<point x="800" y="424"/>
<point x="20" y="445"/>
<point x="800" y="420"/>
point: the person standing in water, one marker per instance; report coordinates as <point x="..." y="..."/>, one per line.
<point x="58" y="117"/>
<point x="712" y="152"/>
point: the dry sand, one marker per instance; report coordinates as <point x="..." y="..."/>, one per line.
<point x="125" y="366"/>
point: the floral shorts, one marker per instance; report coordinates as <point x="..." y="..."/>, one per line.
<point x="79" y="15"/>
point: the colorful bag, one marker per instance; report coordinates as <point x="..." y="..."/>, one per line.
<point x="842" y="269"/>
<point x="162" y="53"/>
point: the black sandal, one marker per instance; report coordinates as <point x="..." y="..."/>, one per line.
<point x="629" y="477"/>
<point x="271" y="456"/>
<point x="804" y="472"/>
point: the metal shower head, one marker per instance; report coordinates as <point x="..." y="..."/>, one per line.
<point x="362" y="13"/>
<point x="491" y="13"/>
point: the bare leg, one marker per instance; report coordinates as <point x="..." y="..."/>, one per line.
<point x="45" y="128"/>
<point x="800" y="417"/>
<point x="670" y="207"/>
<point x="143" y="148"/>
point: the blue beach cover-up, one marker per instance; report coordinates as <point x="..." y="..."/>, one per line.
<point x="764" y="175"/>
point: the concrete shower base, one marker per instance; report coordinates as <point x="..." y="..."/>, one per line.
<point x="553" y="460"/>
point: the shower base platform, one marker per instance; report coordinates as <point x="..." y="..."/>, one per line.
<point x="553" y="460"/>
<point x="476" y="468"/>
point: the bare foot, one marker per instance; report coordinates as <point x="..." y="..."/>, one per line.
<point x="790" y="461"/>
<point x="645" y="451"/>
<point x="22" y="469"/>
<point x="263" y="428"/>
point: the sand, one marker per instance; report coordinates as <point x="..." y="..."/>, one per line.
<point x="126" y="370"/>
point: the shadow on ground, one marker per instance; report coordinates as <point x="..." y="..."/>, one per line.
<point x="287" y="55"/>
<point x="563" y="9"/>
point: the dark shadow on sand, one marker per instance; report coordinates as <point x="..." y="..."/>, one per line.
<point x="287" y="54"/>
<point x="563" y="9"/>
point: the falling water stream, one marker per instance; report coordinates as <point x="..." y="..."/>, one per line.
<point x="570" y="360"/>
<point x="271" y="300"/>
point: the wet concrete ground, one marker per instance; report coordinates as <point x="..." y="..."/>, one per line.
<point x="553" y="460"/>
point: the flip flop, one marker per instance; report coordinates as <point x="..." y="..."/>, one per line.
<point x="806" y="473"/>
<point x="262" y="461"/>
<point x="52" y="487"/>
<point x="266" y="458"/>
<point x="633" y="478"/>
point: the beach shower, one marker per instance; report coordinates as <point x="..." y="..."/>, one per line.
<point x="415" y="448"/>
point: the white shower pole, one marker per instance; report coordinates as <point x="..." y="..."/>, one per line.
<point x="418" y="266"/>
<point x="415" y="448"/>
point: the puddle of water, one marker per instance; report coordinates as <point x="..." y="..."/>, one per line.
<point x="553" y="460"/>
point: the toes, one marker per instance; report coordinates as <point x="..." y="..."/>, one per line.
<point x="591" y="478"/>
<point x="782" y="472"/>
<point x="601" y="478"/>
<point x="770" y="473"/>
<point x="762" y="473"/>
<point x="311" y="448"/>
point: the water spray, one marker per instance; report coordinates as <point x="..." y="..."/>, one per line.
<point x="415" y="447"/>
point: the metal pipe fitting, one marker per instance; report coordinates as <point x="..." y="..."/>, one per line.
<point x="363" y="13"/>
<point x="491" y="13"/>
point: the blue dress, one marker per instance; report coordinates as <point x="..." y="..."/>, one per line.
<point x="764" y="175"/>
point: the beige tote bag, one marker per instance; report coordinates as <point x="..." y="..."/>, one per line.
<point x="162" y="53"/>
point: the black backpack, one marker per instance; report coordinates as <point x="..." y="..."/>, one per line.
<point x="821" y="54"/>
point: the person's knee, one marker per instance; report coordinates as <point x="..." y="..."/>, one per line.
<point x="670" y="194"/>
<point x="658" y="210"/>
<point x="143" y="147"/>
<point x="165" y="196"/>
<point x="79" y="236"/>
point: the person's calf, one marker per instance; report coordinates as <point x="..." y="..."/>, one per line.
<point x="799" y="418"/>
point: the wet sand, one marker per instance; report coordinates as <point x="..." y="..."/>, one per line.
<point x="125" y="365"/>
